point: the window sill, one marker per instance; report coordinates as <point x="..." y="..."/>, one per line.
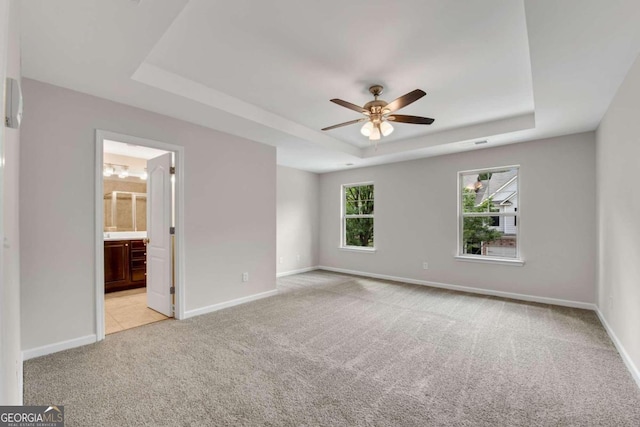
<point x="357" y="249"/>
<point x="489" y="260"/>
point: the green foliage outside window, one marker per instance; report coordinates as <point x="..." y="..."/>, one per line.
<point x="359" y="208"/>
<point x="477" y="229"/>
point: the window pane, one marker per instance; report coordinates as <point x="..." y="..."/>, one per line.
<point x="489" y="191"/>
<point x="359" y="232"/>
<point x="359" y="200"/>
<point x="481" y="237"/>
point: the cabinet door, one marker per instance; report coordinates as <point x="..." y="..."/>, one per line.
<point x="116" y="263"/>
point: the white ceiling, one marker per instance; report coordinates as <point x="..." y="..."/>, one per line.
<point x="131" y="150"/>
<point x="502" y="70"/>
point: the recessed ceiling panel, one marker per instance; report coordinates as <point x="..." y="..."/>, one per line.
<point x="291" y="57"/>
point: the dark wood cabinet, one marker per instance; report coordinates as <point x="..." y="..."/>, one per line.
<point x="125" y="265"/>
<point x="138" y="264"/>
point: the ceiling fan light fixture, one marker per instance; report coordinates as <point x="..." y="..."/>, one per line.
<point x="386" y="128"/>
<point x="366" y="129"/>
<point x="375" y="134"/>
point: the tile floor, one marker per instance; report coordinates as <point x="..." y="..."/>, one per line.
<point x="128" y="309"/>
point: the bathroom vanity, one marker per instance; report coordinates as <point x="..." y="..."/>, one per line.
<point x="125" y="263"/>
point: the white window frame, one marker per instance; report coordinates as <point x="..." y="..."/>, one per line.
<point x="460" y="255"/>
<point x="344" y="216"/>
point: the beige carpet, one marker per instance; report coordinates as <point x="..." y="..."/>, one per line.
<point x="337" y="350"/>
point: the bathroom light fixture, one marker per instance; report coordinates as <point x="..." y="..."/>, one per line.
<point x="124" y="172"/>
<point x="108" y="169"/>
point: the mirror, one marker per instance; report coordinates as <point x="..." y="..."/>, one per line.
<point x="12" y="103"/>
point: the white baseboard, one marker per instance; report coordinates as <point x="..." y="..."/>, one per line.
<point x="59" y="346"/>
<point x="20" y="374"/>
<point x="511" y="295"/>
<point x="227" y="304"/>
<point x="292" y="272"/>
<point x="635" y="372"/>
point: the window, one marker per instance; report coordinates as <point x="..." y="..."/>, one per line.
<point x="357" y="216"/>
<point x="488" y="212"/>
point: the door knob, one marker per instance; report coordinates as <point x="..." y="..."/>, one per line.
<point x="146" y="241"/>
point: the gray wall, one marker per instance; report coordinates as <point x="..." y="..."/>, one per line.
<point x="618" y="158"/>
<point x="10" y="356"/>
<point x="416" y="219"/>
<point x="298" y="224"/>
<point x="230" y="209"/>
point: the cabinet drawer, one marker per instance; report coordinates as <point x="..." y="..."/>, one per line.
<point x="138" y="274"/>
<point x="138" y="254"/>
<point x="139" y="263"/>
<point x="138" y="244"/>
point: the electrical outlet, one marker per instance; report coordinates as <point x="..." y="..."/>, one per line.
<point x="281" y="260"/>
<point x="245" y="277"/>
<point x="425" y="265"/>
<point x="298" y="257"/>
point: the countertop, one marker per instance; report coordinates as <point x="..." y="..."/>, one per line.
<point x="124" y="235"/>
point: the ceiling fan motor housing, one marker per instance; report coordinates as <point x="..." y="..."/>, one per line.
<point x="376" y="109"/>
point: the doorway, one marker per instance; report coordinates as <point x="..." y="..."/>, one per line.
<point x="139" y="249"/>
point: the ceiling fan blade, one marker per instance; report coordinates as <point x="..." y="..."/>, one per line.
<point x="349" y="105"/>
<point x="401" y="118"/>
<point x="352" y="122"/>
<point x="404" y="100"/>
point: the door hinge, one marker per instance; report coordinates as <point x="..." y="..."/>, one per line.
<point x="172" y="290"/>
<point x="172" y="170"/>
<point x="172" y="230"/>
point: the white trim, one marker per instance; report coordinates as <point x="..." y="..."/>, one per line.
<point x="20" y="374"/>
<point x="491" y="169"/>
<point x="481" y="291"/>
<point x="633" y="369"/>
<point x="58" y="346"/>
<point x="99" y="235"/>
<point x="292" y="272"/>
<point x="462" y="215"/>
<point x="490" y="260"/>
<point x="365" y="249"/>
<point x="343" y="215"/>
<point x="227" y="304"/>
<point x="101" y="135"/>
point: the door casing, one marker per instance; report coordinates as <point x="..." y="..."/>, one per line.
<point x="101" y="135"/>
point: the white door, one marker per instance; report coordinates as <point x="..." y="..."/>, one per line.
<point x="159" y="297"/>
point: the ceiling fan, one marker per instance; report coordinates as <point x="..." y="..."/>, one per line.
<point x="379" y="113"/>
